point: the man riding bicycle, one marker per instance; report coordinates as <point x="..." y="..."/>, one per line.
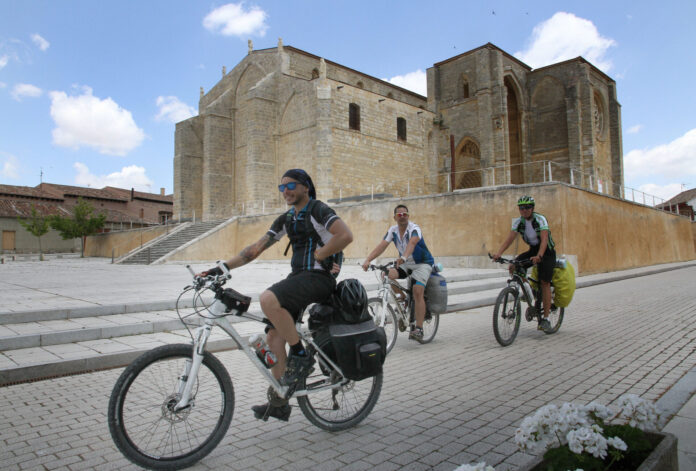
<point x="414" y="260"/>
<point x="316" y="233"/>
<point x="535" y="231"/>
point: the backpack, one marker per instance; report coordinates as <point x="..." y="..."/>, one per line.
<point x="328" y="262"/>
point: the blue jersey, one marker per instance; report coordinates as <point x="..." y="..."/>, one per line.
<point x="421" y="254"/>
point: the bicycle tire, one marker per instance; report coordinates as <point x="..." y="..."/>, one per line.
<point x="430" y="328"/>
<point x="147" y="431"/>
<point x="556" y="319"/>
<point x="388" y="322"/>
<point x="341" y="407"/>
<point x="507" y="315"/>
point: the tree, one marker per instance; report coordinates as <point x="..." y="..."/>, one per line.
<point x="80" y="224"/>
<point x="37" y="226"/>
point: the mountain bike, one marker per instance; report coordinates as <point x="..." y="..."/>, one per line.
<point x="173" y="404"/>
<point x="508" y="307"/>
<point x="393" y="308"/>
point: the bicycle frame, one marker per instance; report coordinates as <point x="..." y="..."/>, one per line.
<point x="388" y="295"/>
<point x="200" y="340"/>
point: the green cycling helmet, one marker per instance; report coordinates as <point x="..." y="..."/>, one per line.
<point x="526" y="199"/>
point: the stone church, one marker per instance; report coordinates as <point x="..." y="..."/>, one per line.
<point x="487" y="119"/>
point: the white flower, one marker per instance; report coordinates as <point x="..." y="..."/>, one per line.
<point x="637" y="412"/>
<point x="587" y="439"/>
<point x="482" y="466"/>
<point x="616" y="442"/>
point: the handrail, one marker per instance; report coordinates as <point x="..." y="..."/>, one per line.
<point x="530" y="172"/>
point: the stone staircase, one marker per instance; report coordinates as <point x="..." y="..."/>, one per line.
<point x="54" y="342"/>
<point x="160" y="247"/>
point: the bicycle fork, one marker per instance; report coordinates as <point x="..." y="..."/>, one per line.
<point x="188" y="376"/>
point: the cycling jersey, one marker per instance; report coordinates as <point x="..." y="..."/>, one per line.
<point x="305" y="238"/>
<point x="421" y="254"/>
<point x="538" y="223"/>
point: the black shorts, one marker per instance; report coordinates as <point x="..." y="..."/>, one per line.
<point x="302" y="288"/>
<point x="547" y="264"/>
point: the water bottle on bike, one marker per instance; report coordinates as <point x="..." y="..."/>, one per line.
<point x="263" y="351"/>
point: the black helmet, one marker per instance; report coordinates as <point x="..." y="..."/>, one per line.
<point x="352" y="297"/>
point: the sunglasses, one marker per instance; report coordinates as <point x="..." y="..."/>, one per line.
<point x="526" y="206"/>
<point x="290" y="186"/>
<point x="401" y="215"/>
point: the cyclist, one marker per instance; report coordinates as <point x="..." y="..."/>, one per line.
<point x="313" y="249"/>
<point x="535" y="231"/>
<point x="414" y="260"/>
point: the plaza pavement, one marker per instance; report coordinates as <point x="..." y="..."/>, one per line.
<point x="457" y="400"/>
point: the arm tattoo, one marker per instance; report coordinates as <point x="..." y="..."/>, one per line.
<point x="254" y="250"/>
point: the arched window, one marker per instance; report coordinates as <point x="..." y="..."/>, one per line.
<point x="315" y="74"/>
<point x="400" y="129"/>
<point x="465" y="87"/>
<point x="361" y="85"/>
<point x="354" y="117"/>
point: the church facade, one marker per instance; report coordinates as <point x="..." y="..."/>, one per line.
<point x="487" y="119"/>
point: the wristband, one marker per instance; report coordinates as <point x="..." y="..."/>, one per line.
<point x="403" y="259"/>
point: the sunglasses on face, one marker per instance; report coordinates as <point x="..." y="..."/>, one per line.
<point x="401" y="215"/>
<point x="290" y="186"/>
<point x="526" y="206"/>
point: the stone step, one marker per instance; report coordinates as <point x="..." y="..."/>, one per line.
<point x="169" y="243"/>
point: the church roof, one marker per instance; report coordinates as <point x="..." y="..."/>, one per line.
<point x="485" y="46"/>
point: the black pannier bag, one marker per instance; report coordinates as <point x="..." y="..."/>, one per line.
<point x="358" y="349"/>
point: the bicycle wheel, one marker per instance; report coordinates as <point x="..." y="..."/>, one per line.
<point x="555" y="319"/>
<point x="141" y="418"/>
<point x="385" y="319"/>
<point x="506" y="316"/>
<point x="430" y="326"/>
<point x="341" y="407"/>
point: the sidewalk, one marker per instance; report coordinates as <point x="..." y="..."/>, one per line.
<point x="96" y="285"/>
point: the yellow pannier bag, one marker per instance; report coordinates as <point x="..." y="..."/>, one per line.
<point x="563" y="282"/>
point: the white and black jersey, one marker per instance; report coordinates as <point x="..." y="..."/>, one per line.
<point x="305" y="238"/>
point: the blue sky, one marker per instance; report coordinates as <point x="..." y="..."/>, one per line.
<point x="90" y="90"/>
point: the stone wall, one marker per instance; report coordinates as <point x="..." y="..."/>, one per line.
<point x="605" y="233"/>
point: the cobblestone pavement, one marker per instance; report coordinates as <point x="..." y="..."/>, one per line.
<point x="457" y="400"/>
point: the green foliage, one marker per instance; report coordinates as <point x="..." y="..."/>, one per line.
<point x="36" y="225"/>
<point x="81" y="223"/>
<point x="562" y="459"/>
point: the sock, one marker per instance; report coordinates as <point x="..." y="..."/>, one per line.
<point x="298" y="349"/>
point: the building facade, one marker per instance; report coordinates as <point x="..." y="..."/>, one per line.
<point x="487" y="120"/>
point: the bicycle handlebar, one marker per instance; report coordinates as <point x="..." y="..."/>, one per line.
<point x="524" y="263"/>
<point x="384" y="268"/>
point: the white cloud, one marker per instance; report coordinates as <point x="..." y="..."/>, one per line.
<point x="4" y="59"/>
<point x="635" y="129"/>
<point x="414" y="81"/>
<point x="661" y="192"/>
<point x="3" y="84"/>
<point x="22" y="90"/>
<point x="173" y="110"/>
<point x="9" y="166"/>
<point x="129" y="177"/>
<point x="40" y="42"/>
<point x="234" y="20"/>
<point x="566" y="36"/>
<point x="675" y="160"/>
<point x="86" y="120"/>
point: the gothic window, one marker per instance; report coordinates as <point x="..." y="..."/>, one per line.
<point x="465" y="87"/>
<point x="597" y="115"/>
<point x="354" y="117"/>
<point x="401" y="129"/>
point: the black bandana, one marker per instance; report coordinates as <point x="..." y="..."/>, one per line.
<point x="303" y="178"/>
